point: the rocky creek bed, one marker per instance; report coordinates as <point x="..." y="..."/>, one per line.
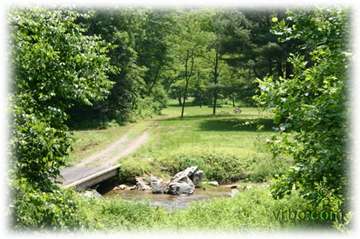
<point x="185" y="187"/>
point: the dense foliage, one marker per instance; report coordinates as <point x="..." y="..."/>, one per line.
<point x="55" y="66"/>
<point x="139" y="57"/>
<point x="311" y="105"/>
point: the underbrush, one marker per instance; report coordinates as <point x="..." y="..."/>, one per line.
<point x="251" y="209"/>
<point x="107" y="214"/>
<point x="145" y="108"/>
<point x="219" y="165"/>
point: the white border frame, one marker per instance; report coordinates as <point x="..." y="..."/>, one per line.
<point x="256" y="4"/>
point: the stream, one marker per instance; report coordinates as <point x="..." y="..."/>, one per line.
<point x="170" y="202"/>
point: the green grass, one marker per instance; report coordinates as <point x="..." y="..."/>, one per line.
<point x="228" y="146"/>
<point x="250" y="209"/>
<point x="88" y="142"/>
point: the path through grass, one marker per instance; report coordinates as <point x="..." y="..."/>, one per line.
<point x="228" y="146"/>
<point x="88" y="142"/>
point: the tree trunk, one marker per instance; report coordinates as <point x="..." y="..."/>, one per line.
<point x="184" y="97"/>
<point x="288" y="69"/>
<point x="256" y="73"/>
<point x="187" y="78"/>
<point x="279" y="68"/>
<point x="199" y="92"/>
<point x="270" y="67"/>
<point x="154" y="80"/>
<point x="216" y="73"/>
<point x="186" y="84"/>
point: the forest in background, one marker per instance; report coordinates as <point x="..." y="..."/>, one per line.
<point x="83" y="69"/>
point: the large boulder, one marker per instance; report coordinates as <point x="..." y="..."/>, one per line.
<point x="184" y="182"/>
<point x="192" y="172"/>
<point x="183" y="186"/>
<point x="157" y="185"/>
<point x="197" y="177"/>
<point x="186" y="173"/>
<point x="141" y="184"/>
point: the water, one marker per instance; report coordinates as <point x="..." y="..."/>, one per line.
<point x="171" y="202"/>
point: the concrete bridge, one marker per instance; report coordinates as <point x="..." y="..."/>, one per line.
<point x="93" y="178"/>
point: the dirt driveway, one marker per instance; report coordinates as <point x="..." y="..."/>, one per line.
<point x="104" y="159"/>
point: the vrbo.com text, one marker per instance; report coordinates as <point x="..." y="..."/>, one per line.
<point x="299" y="215"/>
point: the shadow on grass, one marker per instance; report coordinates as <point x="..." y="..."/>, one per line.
<point x="235" y="124"/>
<point x="92" y="124"/>
<point x="206" y="116"/>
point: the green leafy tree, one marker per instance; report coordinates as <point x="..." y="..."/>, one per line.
<point x="312" y="105"/>
<point x="233" y="47"/>
<point x="153" y="46"/>
<point x="55" y="66"/>
<point x="188" y="42"/>
<point x="120" y="28"/>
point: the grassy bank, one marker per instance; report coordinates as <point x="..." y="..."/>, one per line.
<point x="251" y="209"/>
<point x="228" y="146"/>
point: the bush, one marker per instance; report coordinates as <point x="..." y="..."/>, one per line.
<point x="127" y="214"/>
<point x="145" y="107"/>
<point x="216" y="166"/>
<point x="55" y="65"/>
<point x="265" y="167"/>
<point x="131" y="168"/>
<point x="219" y="165"/>
<point x="36" y="209"/>
<point x="252" y="209"/>
<point x="225" y="167"/>
<point x="312" y="104"/>
<point x="38" y="149"/>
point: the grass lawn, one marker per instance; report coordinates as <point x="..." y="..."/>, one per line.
<point x="90" y="141"/>
<point x="228" y="146"/>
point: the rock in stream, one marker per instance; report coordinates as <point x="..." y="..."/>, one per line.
<point x="157" y="185"/>
<point x="184" y="182"/>
<point x="141" y="184"/>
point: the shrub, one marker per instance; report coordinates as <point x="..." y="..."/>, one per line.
<point x="216" y="166"/>
<point x="219" y="165"/>
<point x="55" y="65"/>
<point x="265" y="167"/>
<point x="131" y="168"/>
<point x="36" y="209"/>
<point x="312" y="104"/>
<point x="145" y="107"/>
